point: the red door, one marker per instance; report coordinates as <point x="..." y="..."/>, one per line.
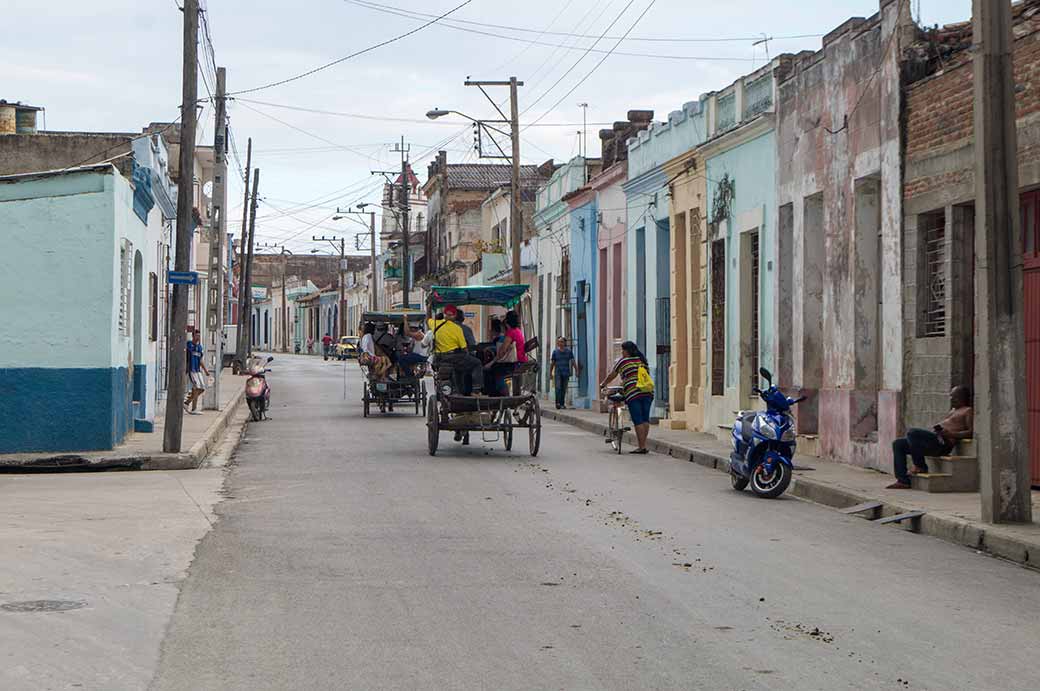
<point x="1031" y="276"/>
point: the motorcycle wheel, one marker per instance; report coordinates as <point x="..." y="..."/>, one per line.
<point x="739" y="483"/>
<point x="255" y="409"/>
<point x="770" y="485"/>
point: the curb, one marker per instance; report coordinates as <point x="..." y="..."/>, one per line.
<point x="185" y="460"/>
<point x="970" y="534"/>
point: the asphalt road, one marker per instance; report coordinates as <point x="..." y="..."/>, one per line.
<point x="345" y="557"/>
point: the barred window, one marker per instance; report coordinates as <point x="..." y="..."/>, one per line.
<point x="718" y="317"/>
<point x="931" y="233"/>
<point x="126" y="256"/>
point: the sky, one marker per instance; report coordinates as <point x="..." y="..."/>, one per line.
<point x="115" y="65"/>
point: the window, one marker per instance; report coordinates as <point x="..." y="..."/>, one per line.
<point x="931" y="234"/>
<point x="126" y="256"/>
<point x="153" y="319"/>
<point x="718" y="317"/>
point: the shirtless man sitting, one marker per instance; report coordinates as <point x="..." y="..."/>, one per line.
<point x="939" y="441"/>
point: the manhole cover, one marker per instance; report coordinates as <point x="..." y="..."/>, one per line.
<point x="42" y="606"/>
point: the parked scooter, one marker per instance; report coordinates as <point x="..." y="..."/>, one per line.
<point x="258" y="392"/>
<point x="764" y="444"/>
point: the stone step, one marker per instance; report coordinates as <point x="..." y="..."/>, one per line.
<point x="940" y="483"/>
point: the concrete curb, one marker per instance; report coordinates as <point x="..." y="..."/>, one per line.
<point x="977" y="536"/>
<point x="185" y="460"/>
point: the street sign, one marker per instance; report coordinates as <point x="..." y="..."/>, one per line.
<point x="186" y="278"/>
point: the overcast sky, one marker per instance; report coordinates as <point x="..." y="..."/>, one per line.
<point x="114" y="65"/>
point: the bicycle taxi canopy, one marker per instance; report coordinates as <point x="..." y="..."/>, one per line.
<point x="507" y="296"/>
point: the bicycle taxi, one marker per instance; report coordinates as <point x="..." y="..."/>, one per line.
<point x="495" y="417"/>
<point x="403" y="384"/>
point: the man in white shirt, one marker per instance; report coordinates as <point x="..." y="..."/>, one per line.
<point x="421" y="344"/>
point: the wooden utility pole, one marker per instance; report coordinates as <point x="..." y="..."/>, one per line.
<point x="247" y="351"/>
<point x="1001" y="438"/>
<point x="516" y="218"/>
<point x="215" y="285"/>
<point x="177" y="353"/>
<point x="240" y="343"/>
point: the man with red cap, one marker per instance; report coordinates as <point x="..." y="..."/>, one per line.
<point x="449" y="345"/>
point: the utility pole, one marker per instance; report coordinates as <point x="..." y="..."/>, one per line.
<point x="215" y="285"/>
<point x="342" y="269"/>
<point x="185" y="189"/>
<point x="406" y="191"/>
<point x="1000" y="401"/>
<point x="248" y="350"/>
<point x="373" y="298"/>
<point x="516" y="219"/>
<point x="240" y="342"/>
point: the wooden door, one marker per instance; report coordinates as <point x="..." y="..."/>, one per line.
<point x="1031" y="281"/>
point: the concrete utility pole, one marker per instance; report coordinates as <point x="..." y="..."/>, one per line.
<point x="516" y="219"/>
<point x="215" y="285"/>
<point x="1002" y="441"/>
<point x="240" y="342"/>
<point x="406" y="191"/>
<point x="177" y="353"/>
<point x="342" y="270"/>
<point x="248" y="349"/>
<point x="373" y="302"/>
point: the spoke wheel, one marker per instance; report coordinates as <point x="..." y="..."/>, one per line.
<point x="433" y="425"/>
<point x="507" y="433"/>
<point x="365" y="401"/>
<point x="534" y="429"/>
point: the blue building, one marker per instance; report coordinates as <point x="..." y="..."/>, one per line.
<point x="584" y="248"/>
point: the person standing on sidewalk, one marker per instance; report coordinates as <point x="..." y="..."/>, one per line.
<point x="326" y="345"/>
<point x="196" y="382"/>
<point x="561" y="363"/>
<point x="938" y="441"/>
<point x="637" y="388"/>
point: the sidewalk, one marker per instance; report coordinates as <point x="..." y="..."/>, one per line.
<point x="955" y="517"/>
<point x="143" y="450"/>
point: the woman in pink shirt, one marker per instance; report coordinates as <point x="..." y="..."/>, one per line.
<point x="515" y="335"/>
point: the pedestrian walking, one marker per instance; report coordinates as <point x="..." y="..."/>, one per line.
<point x="196" y="382"/>
<point x="326" y="345"/>
<point x="561" y="364"/>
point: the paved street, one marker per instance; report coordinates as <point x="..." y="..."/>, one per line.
<point x="346" y="557"/>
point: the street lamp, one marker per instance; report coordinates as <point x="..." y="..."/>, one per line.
<point x="515" y="216"/>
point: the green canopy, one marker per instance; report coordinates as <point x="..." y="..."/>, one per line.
<point x="394" y="316"/>
<point x="505" y="296"/>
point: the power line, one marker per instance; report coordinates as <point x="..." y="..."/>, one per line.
<point x="597" y="65"/>
<point x="570" y="69"/>
<point x="657" y="39"/>
<point x="491" y="34"/>
<point x="352" y="55"/>
<point x="311" y="134"/>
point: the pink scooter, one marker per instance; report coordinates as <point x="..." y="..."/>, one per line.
<point x="258" y="392"/>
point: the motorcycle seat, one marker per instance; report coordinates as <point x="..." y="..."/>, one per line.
<point x="747" y="419"/>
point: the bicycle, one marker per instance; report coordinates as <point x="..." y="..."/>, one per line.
<point x="616" y="429"/>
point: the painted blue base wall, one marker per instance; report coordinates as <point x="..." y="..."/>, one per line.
<point x="60" y="410"/>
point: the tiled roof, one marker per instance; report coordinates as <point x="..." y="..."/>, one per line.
<point x="478" y="176"/>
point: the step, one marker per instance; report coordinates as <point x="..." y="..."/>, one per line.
<point x="963" y="469"/>
<point x="942" y="483"/>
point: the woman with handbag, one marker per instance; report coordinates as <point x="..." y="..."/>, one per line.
<point x="637" y="388"/>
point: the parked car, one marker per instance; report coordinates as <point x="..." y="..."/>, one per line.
<point x="347" y="347"/>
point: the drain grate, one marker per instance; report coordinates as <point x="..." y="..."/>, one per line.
<point x="42" y="606"/>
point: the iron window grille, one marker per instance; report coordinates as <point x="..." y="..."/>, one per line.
<point x="754" y="310"/>
<point x="718" y="317"/>
<point x="934" y="238"/>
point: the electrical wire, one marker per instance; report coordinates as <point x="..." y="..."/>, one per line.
<point x="354" y="54"/>
<point x="658" y="39"/>
<point x="597" y="65"/>
<point x="311" y="134"/>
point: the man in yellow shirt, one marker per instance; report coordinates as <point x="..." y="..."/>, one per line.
<point x="449" y="345"/>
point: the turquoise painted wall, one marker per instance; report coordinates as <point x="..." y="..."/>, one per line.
<point x="752" y="167"/>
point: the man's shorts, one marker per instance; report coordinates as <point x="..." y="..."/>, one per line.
<point x="639" y="409"/>
<point x="197" y="381"/>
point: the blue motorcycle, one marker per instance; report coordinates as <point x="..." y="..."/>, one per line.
<point x="764" y="443"/>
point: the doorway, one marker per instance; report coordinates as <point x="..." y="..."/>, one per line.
<point x="1030" y="206"/>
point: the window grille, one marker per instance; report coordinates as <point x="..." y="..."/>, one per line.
<point x="126" y="256"/>
<point x="718" y="317"/>
<point x="934" y="238"/>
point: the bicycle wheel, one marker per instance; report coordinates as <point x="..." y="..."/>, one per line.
<point x="615" y="429"/>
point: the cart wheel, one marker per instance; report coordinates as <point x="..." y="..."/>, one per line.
<point x="534" y="430"/>
<point x="507" y="438"/>
<point x="365" y="400"/>
<point x="433" y="425"/>
<point x="422" y="396"/>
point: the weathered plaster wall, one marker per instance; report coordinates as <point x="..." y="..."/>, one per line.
<point x="838" y="188"/>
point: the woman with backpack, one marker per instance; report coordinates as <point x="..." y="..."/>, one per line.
<point x="637" y="388"/>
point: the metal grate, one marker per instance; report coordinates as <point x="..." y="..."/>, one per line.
<point x="934" y="238"/>
<point x="754" y="309"/>
<point x="664" y="348"/>
<point x="718" y="317"/>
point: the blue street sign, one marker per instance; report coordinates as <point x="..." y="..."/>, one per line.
<point x="186" y="278"/>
